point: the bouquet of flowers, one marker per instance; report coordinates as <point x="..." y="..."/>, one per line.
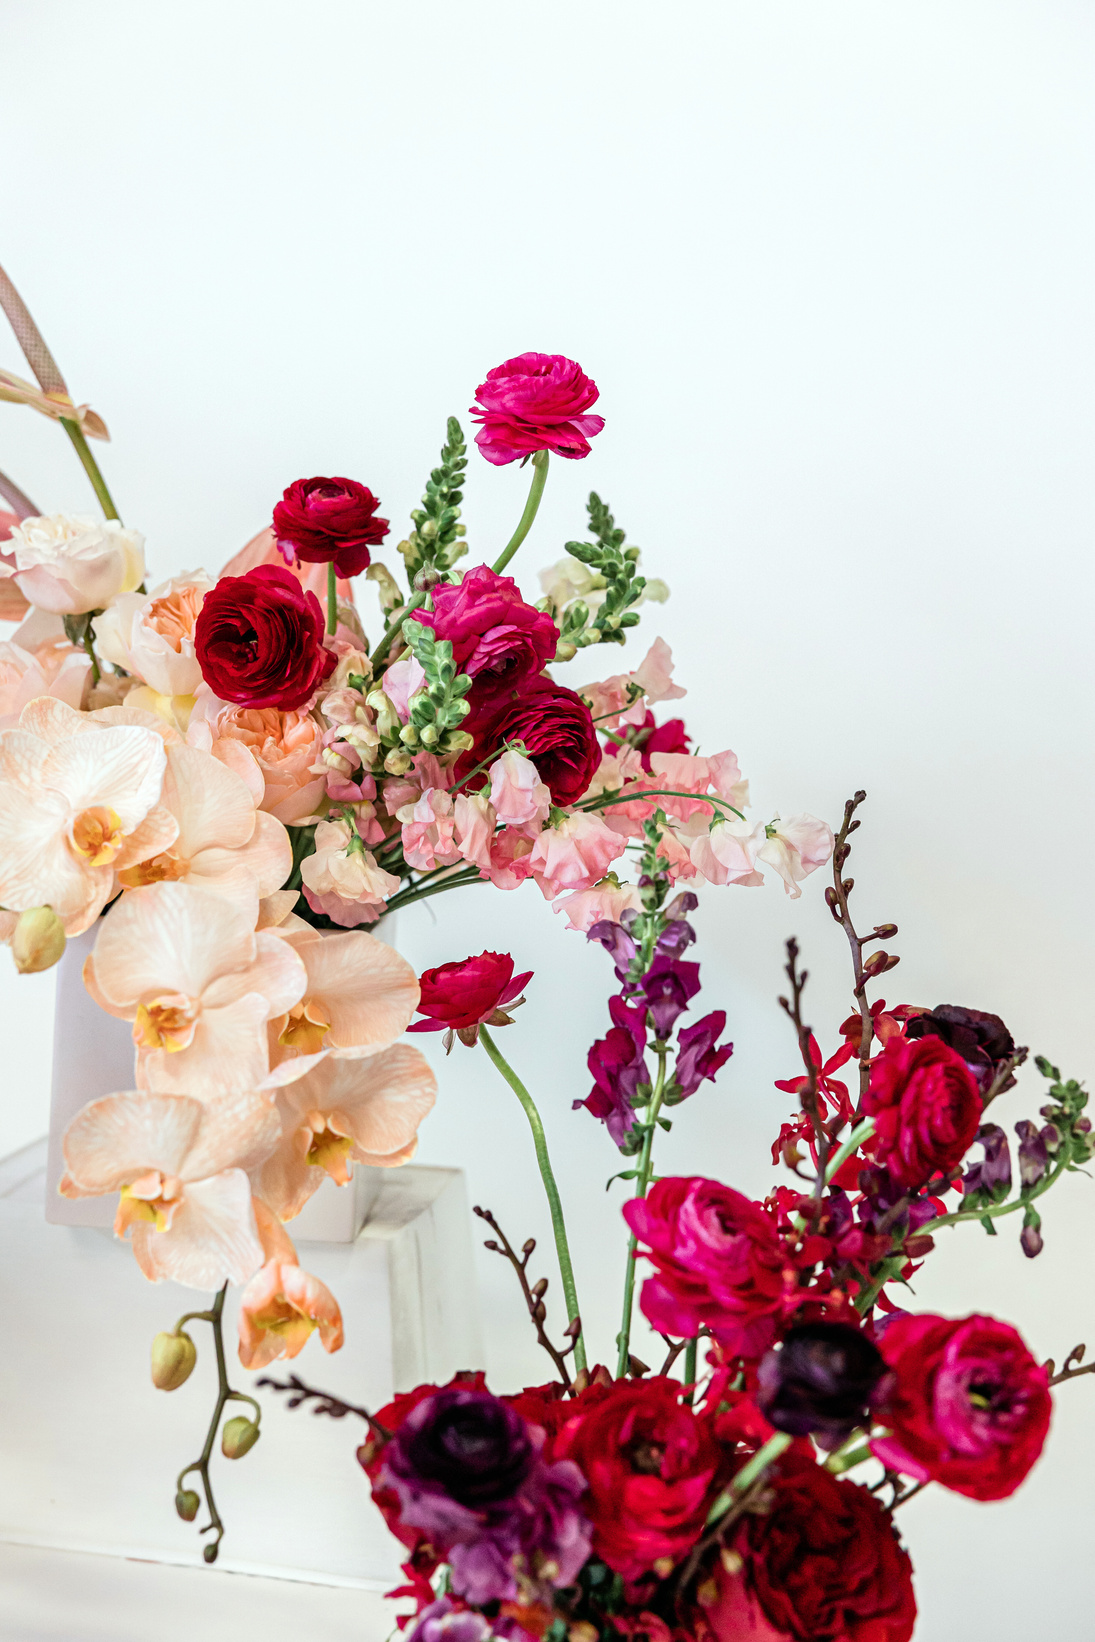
<point x="228" y="782"/>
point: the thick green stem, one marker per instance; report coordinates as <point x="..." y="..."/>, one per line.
<point x="642" y="1186"/>
<point x="536" y="490"/>
<point x="747" y="1476"/>
<point x="859" y="1134"/>
<point x="406" y="896"/>
<point x="690" y="1370"/>
<point x="332" y="597"/>
<point x="395" y="630"/>
<point x="91" y="466"/>
<point x="562" y="1247"/>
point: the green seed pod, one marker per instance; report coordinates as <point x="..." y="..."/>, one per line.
<point x="173" y="1359"/>
<point x="239" y="1437"/>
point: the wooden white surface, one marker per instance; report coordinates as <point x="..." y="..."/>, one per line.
<point x="69" y="1596"/>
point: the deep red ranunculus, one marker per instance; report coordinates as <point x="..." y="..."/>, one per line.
<point x="653" y="1468"/>
<point x="496" y="637"/>
<point x="821" y="1564"/>
<point x="259" y="640"/>
<point x="465" y="995"/>
<point x="329" y="520"/>
<point x="556" y="727"/>
<point x="926" y="1106"/>
<point x="719" y="1261"/>
<point x="536" y="401"/>
<point x="969" y="1406"/>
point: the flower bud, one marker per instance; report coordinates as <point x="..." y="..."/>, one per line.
<point x="820" y="1380"/>
<point x="1033" y="1159"/>
<point x="187" y="1504"/>
<point x="239" y="1437"/>
<point x="173" y="1359"/>
<point x="210" y="1553"/>
<point x="37" y="941"/>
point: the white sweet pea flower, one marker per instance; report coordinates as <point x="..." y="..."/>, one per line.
<point x="795" y="848"/>
<point x="69" y="563"/>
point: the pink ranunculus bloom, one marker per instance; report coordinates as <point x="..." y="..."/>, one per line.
<point x="428" y="827"/>
<point x="359" y="995"/>
<point x="474" y="823"/>
<point x="496" y="637"/>
<point x="727" y="852"/>
<point x="467" y="993"/>
<point x="198" y="983"/>
<point x="403" y="680"/>
<point x="535" y="402"/>
<point x="575" y="854"/>
<point x="180" y="1165"/>
<point x="152" y="634"/>
<point x="283" y="746"/>
<point x="604" y="903"/>
<point x="341" y="878"/>
<point x="519" y="797"/>
<point x="38" y="660"/>
<point x="343" y="1112"/>
<point x="795" y="848"/>
<point x="283" y="1306"/>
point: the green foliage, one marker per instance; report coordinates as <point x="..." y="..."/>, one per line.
<point x="435" y="543"/>
<point x="438" y="710"/>
<point x="613" y="568"/>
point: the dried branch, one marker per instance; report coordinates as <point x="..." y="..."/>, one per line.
<point x="808" y="1097"/>
<point x="1070" y="1370"/>
<point x="534" y="1294"/>
<point x="325" y="1403"/>
<point x="836" y="898"/>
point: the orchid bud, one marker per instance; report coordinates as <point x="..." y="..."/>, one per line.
<point x="239" y="1437"/>
<point x="37" y="941"/>
<point x="173" y="1359"/>
<point x="187" y="1504"/>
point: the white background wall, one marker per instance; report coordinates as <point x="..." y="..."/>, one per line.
<point x="831" y="266"/>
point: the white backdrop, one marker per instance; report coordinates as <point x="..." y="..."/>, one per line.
<point x="831" y="266"/>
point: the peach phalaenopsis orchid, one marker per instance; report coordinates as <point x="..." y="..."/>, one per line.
<point x="187" y="967"/>
<point x="283" y="1306"/>
<point x="344" y="1112"/>
<point x="79" y="801"/>
<point x="180" y="1166"/>
<point x="359" y="996"/>
<point x="39" y="660"/>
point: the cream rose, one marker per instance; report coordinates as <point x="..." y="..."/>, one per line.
<point x="68" y="563"/>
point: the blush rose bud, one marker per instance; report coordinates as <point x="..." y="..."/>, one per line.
<point x="187" y="1504"/>
<point x="38" y="940"/>
<point x="173" y="1359"/>
<point x="239" y="1437"/>
<point x="820" y="1381"/>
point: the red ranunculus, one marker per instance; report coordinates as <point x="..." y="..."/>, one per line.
<point x="653" y="1468"/>
<point x="927" y="1109"/>
<point x="821" y="1564"/>
<point x="535" y="402"/>
<point x="465" y="995"/>
<point x="496" y="637"/>
<point x="556" y="727"/>
<point x="259" y="640"/>
<point x="329" y="520"/>
<point x="969" y="1407"/>
<point x="719" y="1261"/>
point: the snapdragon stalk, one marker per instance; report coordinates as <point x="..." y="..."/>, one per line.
<point x="536" y="491"/>
<point x="642" y="1186"/>
<point x="91" y="466"/>
<point x="562" y="1247"/>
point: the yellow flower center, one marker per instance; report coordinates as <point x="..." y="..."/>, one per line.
<point x="161" y="869"/>
<point x="328" y="1149"/>
<point x="286" y="1322"/>
<point x="151" y="1199"/>
<point x="97" y="835"/>
<point x="304" y="1027"/>
<point x="166" y="1023"/>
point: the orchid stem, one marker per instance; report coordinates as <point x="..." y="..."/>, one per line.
<point x="642" y="1186"/>
<point x="332" y="597"/>
<point x="224" y="1394"/>
<point x="562" y="1247"/>
<point x="91" y="466"/>
<point x="532" y="506"/>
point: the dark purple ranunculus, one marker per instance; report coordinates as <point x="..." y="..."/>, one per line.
<point x="993" y="1173"/>
<point x="667" y="986"/>
<point x="496" y="638"/>
<point x="618" y="1067"/>
<point x="699" y="1053"/>
<point x="982" y="1040"/>
<point x="329" y="521"/>
<point x="820" y="1379"/>
<point x="463" y="1444"/>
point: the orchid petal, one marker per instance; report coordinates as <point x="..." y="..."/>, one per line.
<point x="212" y="1238"/>
<point x="114" y="1140"/>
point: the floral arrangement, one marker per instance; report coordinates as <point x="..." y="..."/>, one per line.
<point x="229" y="784"/>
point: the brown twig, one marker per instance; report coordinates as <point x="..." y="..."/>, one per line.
<point x="675" y="1349"/>
<point x="534" y="1294"/>
<point x="836" y="898"/>
<point x="325" y="1403"/>
<point x="808" y="1097"/>
<point x="1070" y="1370"/>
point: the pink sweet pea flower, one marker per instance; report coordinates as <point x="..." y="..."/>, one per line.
<point x="510" y="858"/>
<point x="795" y="848"/>
<point x="655" y="674"/>
<point x="519" y="797"/>
<point x="575" y="854"/>
<point x="604" y="903"/>
<point x="179" y="1164"/>
<point x="474" y="823"/>
<point x="428" y="827"/>
<point x="727" y="853"/>
<point x="341" y="878"/>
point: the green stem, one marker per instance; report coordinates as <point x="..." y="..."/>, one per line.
<point x="690" y="1369"/>
<point x="536" y="490"/>
<point x="562" y="1247"/>
<point x="332" y="597"/>
<point x="406" y="896"/>
<point x="748" y="1475"/>
<point x="89" y="646"/>
<point x="642" y="1186"/>
<point x="605" y="801"/>
<point x="862" y="1132"/>
<point x="395" y="629"/>
<point x="994" y="1210"/>
<point x="91" y="466"/>
<point x="853" y="1453"/>
<point x="225" y="1394"/>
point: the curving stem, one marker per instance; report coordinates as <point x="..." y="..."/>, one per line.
<point x="225" y="1394"/>
<point x="91" y="466"/>
<point x="536" y="491"/>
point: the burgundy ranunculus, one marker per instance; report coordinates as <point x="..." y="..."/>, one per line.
<point x="822" y="1563"/>
<point x="982" y="1040"/>
<point x="719" y="1262"/>
<point x="927" y="1109"/>
<point x="259" y="640"/>
<point x="820" y="1379"/>
<point x="556" y="727"/>
<point x="969" y="1407"/>
<point x="653" y="1468"/>
<point x="536" y="401"/>
<point x="464" y="995"/>
<point x="329" y="521"/>
<point x="496" y="638"/>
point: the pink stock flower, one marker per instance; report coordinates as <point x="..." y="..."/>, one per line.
<point x="282" y="746"/>
<point x="575" y="854"/>
<point x="428" y="827"/>
<point x="519" y="797"/>
<point x="535" y="402"/>
<point x="341" y="878"/>
<point x="795" y="848"/>
<point x="604" y="903"/>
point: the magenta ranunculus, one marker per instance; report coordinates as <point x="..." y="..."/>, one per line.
<point x="535" y="402"/>
<point x="329" y="521"/>
<point x="927" y="1109"/>
<point x="555" y="726"/>
<point x="259" y="640"/>
<point x="464" y="995"/>
<point x="719" y="1261"/>
<point x="969" y="1408"/>
<point x="496" y="637"/>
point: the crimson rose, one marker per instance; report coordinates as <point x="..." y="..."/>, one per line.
<point x="535" y="402"/>
<point x="463" y="996"/>
<point x="927" y="1109"/>
<point x="719" y="1262"/>
<point x="259" y="640"/>
<point x="821" y="1564"/>
<point x="653" y="1469"/>
<point x="329" y="521"/>
<point x="970" y="1407"/>
<point x="556" y="727"/>
<point x="496" y="637"/>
